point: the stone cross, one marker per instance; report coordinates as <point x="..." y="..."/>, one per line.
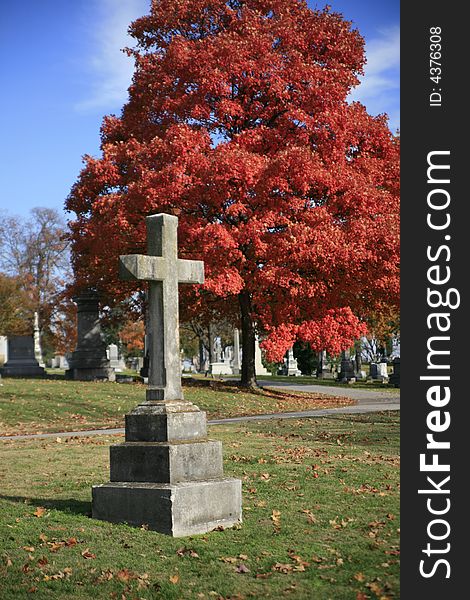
<point x="162" y="268"/>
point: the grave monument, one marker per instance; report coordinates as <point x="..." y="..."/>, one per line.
<point x="89" y="361"/>
<point x="21" y="358"/>
<point x="166" y="475"/>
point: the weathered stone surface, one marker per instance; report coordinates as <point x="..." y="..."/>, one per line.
<point x="167" y="474"/>
<point x="89" y="361"/>
<point x="154" y="423"/>
<point x="163" y="270"/>
<point x="176" y="509"/>
<point x="160" y="462"/>
<point x="347" y="371"/>
<point x="21" y="359"/>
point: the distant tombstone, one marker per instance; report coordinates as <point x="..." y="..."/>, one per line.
<point x="382" y="370"/>
<point x="395" y="376"/>
<point x="63" y="362"/>
<point x="260" y="369"/>
<point x="347" y="372"/>
<point x="290" y="365"/>
<point x="21" y="359"/>
<point x="324" y="369"/>
<point x="3" y="349"/>
<point x="236" y="363"/>
<point x="219" y="366"/>
<point x="37" y="341"/>
<point x="89" y="361"/>
<point x="115" y="361"/>
<point x="223" y="365"/>
<point x="378" y="371"/>
<point x="167" y="475"/>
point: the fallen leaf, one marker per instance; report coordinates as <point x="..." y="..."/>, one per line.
<point x="228" y="559"/>
<point x="39" y="512"/>
<point x="28" y="548"/>
<point x="282" y="568"/>
<point x="242" y="569"/>
<point x="87" y="554"/>
<point x="174" y="578"/>
<point x="124" y="575"/>
<point x="359" y="576"/>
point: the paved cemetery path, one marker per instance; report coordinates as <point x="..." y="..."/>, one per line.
<point x="364" y="397"/>
<point x="367" y="401"/>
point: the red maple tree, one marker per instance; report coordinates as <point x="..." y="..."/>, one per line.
<point x="238" y="123"/>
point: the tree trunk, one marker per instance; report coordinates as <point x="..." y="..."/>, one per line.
<point x="201" y="356"/>
<point x="248" y="375"/>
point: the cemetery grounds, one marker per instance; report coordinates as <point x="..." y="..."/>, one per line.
<point x="320" y="501"/>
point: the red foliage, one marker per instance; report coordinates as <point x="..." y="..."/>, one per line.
<point x="238" y="123"/>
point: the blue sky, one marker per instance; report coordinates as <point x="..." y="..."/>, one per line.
<point x="62" y="71"/>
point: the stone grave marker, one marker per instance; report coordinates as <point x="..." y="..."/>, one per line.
<point x="291" y="367"/>
<point x="115" y="361"/>
<point x="89" y="361"/>
<point x="236" y="363"/>
<point x="260" y="369"/>
<point x="166" y="475"/>
<point x="21" y="358"/>
<point x="347" y="372"/>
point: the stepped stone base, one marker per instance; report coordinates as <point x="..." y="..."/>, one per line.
<point x="23" y="371"/>
<point x="180" y="509"/>
<point x="160" y="462"/>
<point x="91" y="374"/>
<point x="167" y="474"/>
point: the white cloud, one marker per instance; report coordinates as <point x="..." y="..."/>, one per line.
<point x="379" y="87"/>
<point x="109" y="71"/>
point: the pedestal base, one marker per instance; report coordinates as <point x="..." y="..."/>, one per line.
<point x="91" y="374"/>
<point x="26" y="371"/>
<point x="174" y="509"/>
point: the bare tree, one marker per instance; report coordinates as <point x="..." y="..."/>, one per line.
<point x="35" y="252"/>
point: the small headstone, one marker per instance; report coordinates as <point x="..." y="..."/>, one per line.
<point x="347" y="372"/>
<point x="378" y="371"/>
<point x="115" y="361"/>
<point x="260" y="369"/>
<point x="219" y="366"/>
<point x="167" y="475"/>
<point x="236" y="363"/>
<point x="290" y="365"/>
<point x="3" y="349"/>
<point x="89" y="361"/>
<point x="395" y="376"/>
<point x="63" y="362"/>
<point x="21" y="359"/>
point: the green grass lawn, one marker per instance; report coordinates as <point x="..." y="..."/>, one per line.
<point x="307" y="380"/>
<point x="320" y="510"/>
<point x="53" y="404"/>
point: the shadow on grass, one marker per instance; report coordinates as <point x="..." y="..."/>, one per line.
<point x="65" y="505"/>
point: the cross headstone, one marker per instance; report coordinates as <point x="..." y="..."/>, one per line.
<point x="162" y="268"/>
<point x="166" y="475"/>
